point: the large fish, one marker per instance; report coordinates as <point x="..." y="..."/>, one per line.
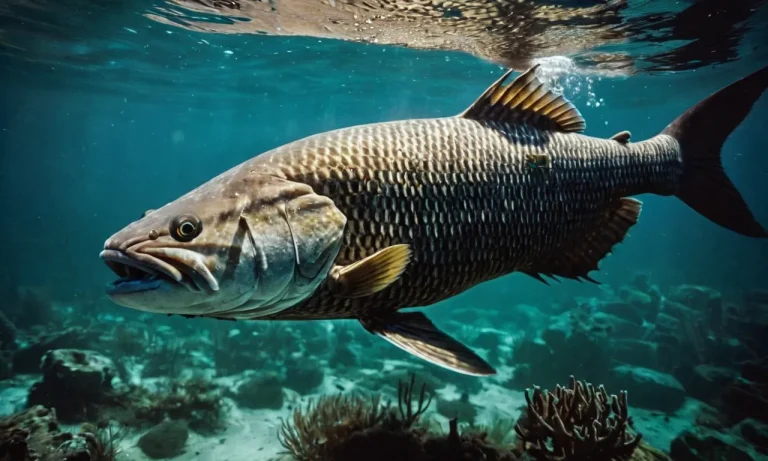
<point x="361" y="222"/>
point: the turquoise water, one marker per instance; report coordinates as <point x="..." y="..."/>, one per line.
<point x="105" y="113"/>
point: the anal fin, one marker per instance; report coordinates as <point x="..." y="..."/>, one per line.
<point x="415" y="333"/>
<point x="581" y="257"/>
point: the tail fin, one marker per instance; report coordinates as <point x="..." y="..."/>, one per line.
<point x="701" y="132"/>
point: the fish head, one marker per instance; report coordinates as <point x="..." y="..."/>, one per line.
<point x="243" y="245"/>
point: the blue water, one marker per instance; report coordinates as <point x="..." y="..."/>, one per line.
<point x="105" y="113"/>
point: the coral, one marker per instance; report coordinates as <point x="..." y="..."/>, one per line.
<point x="303" y="376"/>
<point x="165" y="440"/>
<point x="578" y="422"/>
<point x="34" y="434"/>
<point x="261" y="392"/>
<point x="195" y="401"/>
<point x="324" y="428"/>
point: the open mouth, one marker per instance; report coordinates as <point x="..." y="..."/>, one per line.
<point x="135" y="276"/>
<point x="141" y="271"/>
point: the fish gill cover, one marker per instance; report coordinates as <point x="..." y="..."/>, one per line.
<point x="110" y="110"/>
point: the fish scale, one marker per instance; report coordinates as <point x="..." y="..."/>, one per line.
<point x="463" y="197"/>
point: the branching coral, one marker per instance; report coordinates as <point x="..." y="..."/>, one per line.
<point x="316" y="432"/>
<point x="578" y="422"/>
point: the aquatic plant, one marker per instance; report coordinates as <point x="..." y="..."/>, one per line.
<point x="165" y="360"/>
<point x="103" y="441"/>
<point x="195" y="400"/>
<point x="323" y="426"/>
<point x="577" y="422"/>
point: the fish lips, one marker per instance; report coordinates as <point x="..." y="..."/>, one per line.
<point x="134" y="276"/>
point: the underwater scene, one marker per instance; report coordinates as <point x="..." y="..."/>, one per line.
<point x="339" y="230"/>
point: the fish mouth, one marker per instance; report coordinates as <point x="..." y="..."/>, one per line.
<point x="141" y="271"/>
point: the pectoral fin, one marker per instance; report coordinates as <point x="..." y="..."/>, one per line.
<point x="415" y="333"/>
<point x="371" y="274"/>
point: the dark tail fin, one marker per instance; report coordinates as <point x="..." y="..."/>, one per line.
<point x="701" y="132"/>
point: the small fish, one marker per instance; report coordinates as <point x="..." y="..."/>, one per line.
<point x="361" y="222"/>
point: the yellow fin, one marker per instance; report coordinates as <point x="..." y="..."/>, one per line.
<point x="622" y="137"/>
<point x="526" y="100"/>
<point x="371" y="274"/>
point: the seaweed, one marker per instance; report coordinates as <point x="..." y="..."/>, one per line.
<point x="103" y="441"/>
<point x="577" y="422"/>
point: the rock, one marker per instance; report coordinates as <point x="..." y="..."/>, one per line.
<point x="649" y="389"/>
<point x="678" y="311"/>
<point x="641" y="282"/>
<point x="706" y="445"/>
<point x="635" y="352"/>
<point x="165" y="440"/>
<point x="78" y="371"/>
<point x="27" y="359"/>
<point x="623" y="310"/>
<point x="618" y="327"/>
<point x="744" y="399"/>
<point x="262" y="392"/>
<point x="73" y="382"/>
<point x="7" y="333"/>
<point x="701" y="299"/>
<point x="303" y="376"/>
<point x="757" y="297"/>
<point x="756" y="433"/>
<point x="756" y="370"/>
<point x="705" y="382"/>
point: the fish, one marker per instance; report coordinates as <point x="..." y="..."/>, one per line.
<point x="366" y="221"/>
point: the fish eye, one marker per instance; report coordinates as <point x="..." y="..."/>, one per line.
<point x="186" y="227"/>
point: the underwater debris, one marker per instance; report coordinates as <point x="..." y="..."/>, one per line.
<point x="577" y="422"/>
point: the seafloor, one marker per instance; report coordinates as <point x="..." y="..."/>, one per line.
<point x="79" y="383"/>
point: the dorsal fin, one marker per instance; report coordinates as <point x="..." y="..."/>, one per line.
<point x="526" y="100"/>
<point x="622" y="137"/>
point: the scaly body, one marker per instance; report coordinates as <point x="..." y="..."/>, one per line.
<point x="364" y="221"/>
<point x="462" y="194"/>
